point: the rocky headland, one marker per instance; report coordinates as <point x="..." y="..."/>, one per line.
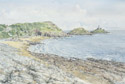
<point x="18" y="30"/>
<point x="82" y="31"/>
<point x="98" y="31"/>
<point x="79" y="31"/>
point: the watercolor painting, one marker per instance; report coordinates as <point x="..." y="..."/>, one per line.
<point x="62" y="42"/>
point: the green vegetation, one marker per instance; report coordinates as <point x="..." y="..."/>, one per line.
<point x="29" y="29"/>
<point x="99" y="30"/>
<point x="2" y="27"/>
<point x="79" y="31"/>
<point x="4" y="35"/>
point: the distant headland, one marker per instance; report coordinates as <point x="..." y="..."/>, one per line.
<point x="82" y="31"/>
<point x="46" y="28"/>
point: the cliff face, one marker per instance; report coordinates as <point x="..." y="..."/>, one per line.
<point x="30" y="29"/>
<point x="99" y="30"/>
<point x="78" y="31"/>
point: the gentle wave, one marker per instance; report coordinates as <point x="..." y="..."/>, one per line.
<point x="100" y="46"/>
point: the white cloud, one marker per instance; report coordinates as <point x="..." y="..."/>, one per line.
<point x="66" y="15"/>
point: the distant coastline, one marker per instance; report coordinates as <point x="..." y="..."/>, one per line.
<point x="46" y="28"/>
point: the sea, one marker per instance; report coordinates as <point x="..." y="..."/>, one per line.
<point x="110" y="46"/>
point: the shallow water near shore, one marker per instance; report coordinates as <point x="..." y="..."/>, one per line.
<point x="100" y="46"/>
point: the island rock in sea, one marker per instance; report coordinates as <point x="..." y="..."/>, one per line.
<point x="99" y="30"/>
<point x="79" y="31"/>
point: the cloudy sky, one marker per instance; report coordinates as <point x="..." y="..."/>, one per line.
<point x="67" y="14"/>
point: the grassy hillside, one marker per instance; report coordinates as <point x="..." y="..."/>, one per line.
<point x="78" y="31"/>
<point x="30" y="29"/>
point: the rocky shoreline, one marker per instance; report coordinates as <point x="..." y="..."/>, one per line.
<point x="19" y="66"/>
<point x="20" y="69"/>
<point x="91" y="70"/>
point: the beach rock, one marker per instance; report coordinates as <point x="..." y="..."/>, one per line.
<point x="18" y="69"/>
<point x="91" y="70"/>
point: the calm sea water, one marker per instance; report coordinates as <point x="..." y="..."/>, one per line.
<point x="101" y="46"/>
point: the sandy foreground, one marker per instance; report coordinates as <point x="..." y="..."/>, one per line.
<point x="20" y="66"/>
